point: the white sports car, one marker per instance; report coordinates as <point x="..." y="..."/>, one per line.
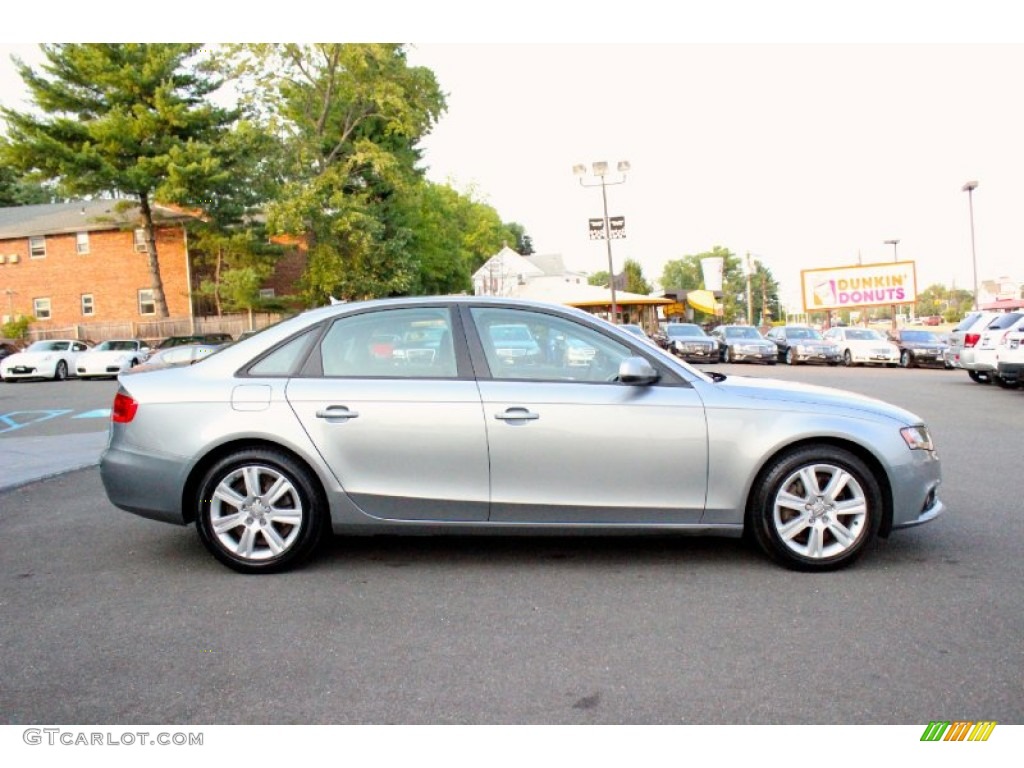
<point x="52" y="359"/>
<point x="112" y="357"/>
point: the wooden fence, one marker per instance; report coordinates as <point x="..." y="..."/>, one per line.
<point x="154" y="330"/>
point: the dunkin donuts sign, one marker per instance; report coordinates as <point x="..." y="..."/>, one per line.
<point x="865" y="285"/>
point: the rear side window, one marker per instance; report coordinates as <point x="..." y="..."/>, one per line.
<point x="967" y="322"/>
<point x="283" y="360"/>
<point x="1004" y="321"/>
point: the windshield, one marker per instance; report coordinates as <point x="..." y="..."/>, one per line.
<point x="118" y="345"/>
<point x="802" y="333"/>
<point x="863" y="334"/>
<point x="926" y="337"/>
<point x="742" y="332"/>
<point x="49" y="346"/>
<point x="684" y="329"/>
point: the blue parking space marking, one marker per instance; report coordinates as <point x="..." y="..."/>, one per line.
<point x="8" y="422"/>
<point x="99" y="413"/>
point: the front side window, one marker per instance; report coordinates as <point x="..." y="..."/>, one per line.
<point x="523" y="344"/>
<point x="88" y="308"/>
<point x="37" y="248"/>
<point x="82" y="242"/>
<point x="400" y="343"/>
<point x="147" y="304"/>
<point x="41" y="308"/>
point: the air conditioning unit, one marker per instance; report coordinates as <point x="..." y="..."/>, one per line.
<point x="13" y="258"/>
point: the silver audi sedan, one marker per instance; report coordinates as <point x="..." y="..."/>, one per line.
<point x="409" y="415"/>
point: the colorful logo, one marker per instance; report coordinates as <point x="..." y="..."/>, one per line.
<point x="958" y="730"/>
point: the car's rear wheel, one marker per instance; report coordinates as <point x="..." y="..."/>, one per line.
<point x="61" y="371"/>
<point x="816" y="508"/>
<point x="259" y="511"/>
<point x="979" y="378"/>
<point x="1005" y="383"/>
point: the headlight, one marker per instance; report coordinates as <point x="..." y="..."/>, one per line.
<point x="917" y="438"/>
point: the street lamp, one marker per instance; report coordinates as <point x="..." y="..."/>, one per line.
<point x="969" y="188"/>
<point x="600" y="170"/>
<point x="895" y="258"/>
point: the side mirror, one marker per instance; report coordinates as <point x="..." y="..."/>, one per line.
<point x="636" y="370"/>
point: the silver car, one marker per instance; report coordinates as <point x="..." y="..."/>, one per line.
<point x="314" y="425"/>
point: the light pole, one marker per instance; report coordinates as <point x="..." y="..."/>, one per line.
<point x="600" y="170"/>
<point x="969" y="188"/>
<point x="895" y="259"/>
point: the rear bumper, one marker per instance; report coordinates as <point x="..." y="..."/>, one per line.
<point x="144" y="484"/>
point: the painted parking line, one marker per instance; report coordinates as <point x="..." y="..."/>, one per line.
<point x="26" y="418"/>
<point x="99" y="413"/>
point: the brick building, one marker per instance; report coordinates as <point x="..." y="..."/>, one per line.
<point x="86" y="262"/>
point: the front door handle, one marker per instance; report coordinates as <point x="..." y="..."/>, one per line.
<point x="517" y="414"/>
<point x="336" y="413"/>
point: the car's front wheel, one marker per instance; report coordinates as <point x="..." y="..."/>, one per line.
<point x="259" y="511"/>
<point x="847" y="359"/>
<point x="906" y="359"/>
<point x="61" y="371"/>
<point x="790" y="357"/>
<point x="816" y="508"/>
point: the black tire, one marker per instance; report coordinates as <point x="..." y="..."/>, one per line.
<point x="726" y="357"/>
<point x="827" y="540"/>
<point x="277" y="533"/>
<point x="1004" y="383"/>
<point x="847" y="359"/>
<point x="60" y="373"/>
<point x="790" y="357"/>
<point x="906" y="359"/>
<point x="979" y="378"/>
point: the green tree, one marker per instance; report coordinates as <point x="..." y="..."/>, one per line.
<point x="15" y="190"/>
<point x="686" y="274"/>
<point x="126" y="118"/>
<point x="635" y="282"/>
<point x="350" y="117"/>
<point x="599" y="278"/>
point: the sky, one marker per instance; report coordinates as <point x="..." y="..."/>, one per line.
<point x="804" y="139"/>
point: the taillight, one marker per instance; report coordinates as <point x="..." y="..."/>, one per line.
<point x="124" y="408"/>
<point x="971" y="339"/>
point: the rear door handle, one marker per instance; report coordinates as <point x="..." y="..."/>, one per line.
<point x="517" y="414"/>
<point x="336" y="413"/>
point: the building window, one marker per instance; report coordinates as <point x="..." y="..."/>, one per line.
<point x="266" y="293"/>
<point x="41" y="308"/>
<point x="37" y="247"/>
<point x="82" y="242"/>
<point x="147" y="305"/>
<point x="88" y="307"/>
<point x="140" y="241"/>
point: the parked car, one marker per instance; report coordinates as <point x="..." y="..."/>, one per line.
<point x="197" y="338"/>
<point x="514" y="344"/>
<point x="933" y="320"/>
<point x="863" y="346"/>
<point x="109" y="358"/>
<point x="1010" y="360"/>
<point x="266" y="445"/>
<point x="920" y="348"/>
<point x="744" y="344"/>
<point x="52" y="359"/>
<point x="174" y="357"/>
<point x="7" y="348"/>
<point x="691" y="343"/>
<point x="967" y="333"/>
<point x="802" y="344"/>
<point x="979" y="359"/>
<point x="637" y="331"/>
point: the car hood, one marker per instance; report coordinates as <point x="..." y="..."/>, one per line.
<point x="100" y="356"/>
<point x="778" y="391"/>
<point x="924" y="344"/>
<point x="29" y="358"/>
